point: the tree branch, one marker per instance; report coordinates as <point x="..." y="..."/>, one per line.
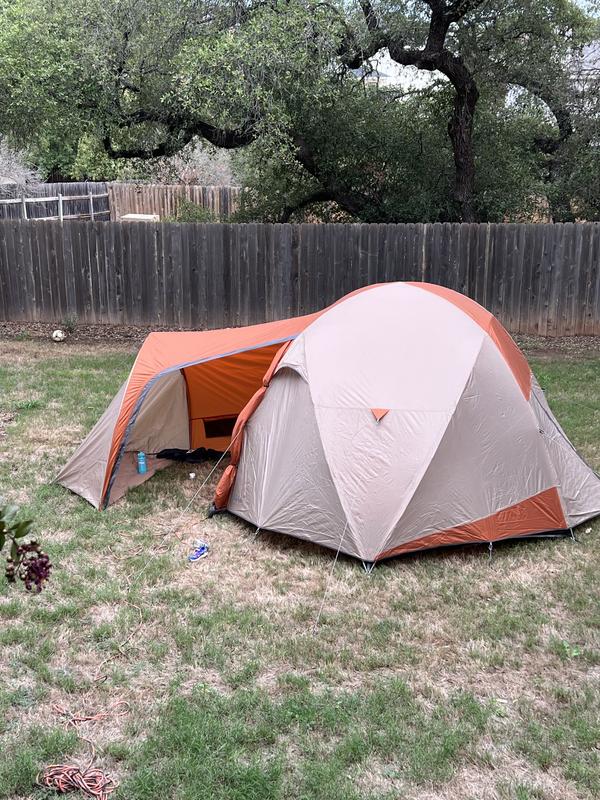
<point x="349" y="201"/>
<point x="351" y="52"/>
<point x="165" y="148"/>
<point x="179" y="133"/>
<point x="370" y="17"/>
<point x="227" y="138"/>
<point x="318" y="196"/>
<point x="436" y="56"/>
<point x="561" y="113"/>
<point x="460" y="8"/>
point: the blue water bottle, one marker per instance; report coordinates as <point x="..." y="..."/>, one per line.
<point x="142" y="467"/>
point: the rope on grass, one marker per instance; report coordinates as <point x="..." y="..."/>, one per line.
<point x="119" y="709"/>
<point x="89" y="780"/>
<point x="177" y="523"/>
<point x="71" y="778"/>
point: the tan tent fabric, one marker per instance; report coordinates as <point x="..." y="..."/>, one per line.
<point x="163" y="418"/>
<point x="409" y="424"/>
<point x="84" y="472"/>
<point x="162" y="423"/>
<point x="221" y="370"/>
<point x="483" y="461"/>
<point x="401" y="418"/>
<point x="577" y="482"/>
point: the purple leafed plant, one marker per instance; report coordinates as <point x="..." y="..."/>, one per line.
<point x="26" y="560"/>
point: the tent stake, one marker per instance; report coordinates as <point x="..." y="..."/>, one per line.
<point x="256" y="532"/>
<point x="575" y="539"/>
<point x="490" y="551"/>
<point x="212" y="510"/>
<point x="368" y="566"/>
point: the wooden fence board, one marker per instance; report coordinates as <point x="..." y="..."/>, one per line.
<point x="6" y="303"/>
<point x="26" y="283"/>
<point x="41" y="293"/>
<point x="574" y="267"/>
<point x="547" y="255"/>
<point x="535" y="278"/>
<point x="49" y="273"/>
<point x="592" y="325"/>
<point x="16" y="276"/>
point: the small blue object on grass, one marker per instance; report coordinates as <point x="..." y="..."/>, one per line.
<point x="201" y="551"/>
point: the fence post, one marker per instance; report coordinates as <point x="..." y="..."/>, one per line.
<point x="60" y="207"/>
<point x="91" y="196"/>
<point x="24" y="207"/>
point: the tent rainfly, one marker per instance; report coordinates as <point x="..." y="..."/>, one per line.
<point x="402" y="417"/>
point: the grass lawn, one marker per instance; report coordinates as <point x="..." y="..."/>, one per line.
<point x="441" y="675"/>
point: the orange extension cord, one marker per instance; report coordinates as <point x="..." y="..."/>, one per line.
<point x="71" y="778"/>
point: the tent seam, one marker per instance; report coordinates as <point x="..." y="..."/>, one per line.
<point x="435" y="448"/>
<point x="333" y="482"/>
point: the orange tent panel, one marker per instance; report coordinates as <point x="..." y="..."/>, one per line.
<point x="235" y="348"/>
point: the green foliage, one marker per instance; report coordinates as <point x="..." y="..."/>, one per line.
<point x="92" y="163"/>
<point x="69" y="323"/>
<point x="12" y="529"/>
<point x="566" y="736"/>
<point x="401" y="145"/>
<point x="510" y="184"/>
<point x="75" y="75"/>
<point x="188" y="211"/>
<point x="26" y="755"/>
<point x="397" y="147"/>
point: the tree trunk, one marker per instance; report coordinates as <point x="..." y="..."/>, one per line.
<point x="436" y="56"/>
<point x="460" y="130"/>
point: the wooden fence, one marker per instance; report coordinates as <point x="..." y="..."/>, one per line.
<point x="114" y="200"/>
<point x="48" y="200"/>
<point x="539" y="279"/>
<point x="59" y="207"/>
<point x="130" y="198"/>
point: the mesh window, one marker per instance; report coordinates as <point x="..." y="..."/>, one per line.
<point x="217" y="427"/>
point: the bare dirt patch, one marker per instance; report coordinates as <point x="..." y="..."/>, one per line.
<point x="103" y="335"/>
<point x="6" y="417"/>
<point x="112" y="335"/>
<point x="559" y="347"/>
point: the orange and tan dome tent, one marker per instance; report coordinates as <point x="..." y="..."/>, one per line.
<point x="401" y="418"/>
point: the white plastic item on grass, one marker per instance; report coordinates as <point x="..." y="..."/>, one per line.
<point x="58" y="335"/>
<point x="192" y="475"/>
